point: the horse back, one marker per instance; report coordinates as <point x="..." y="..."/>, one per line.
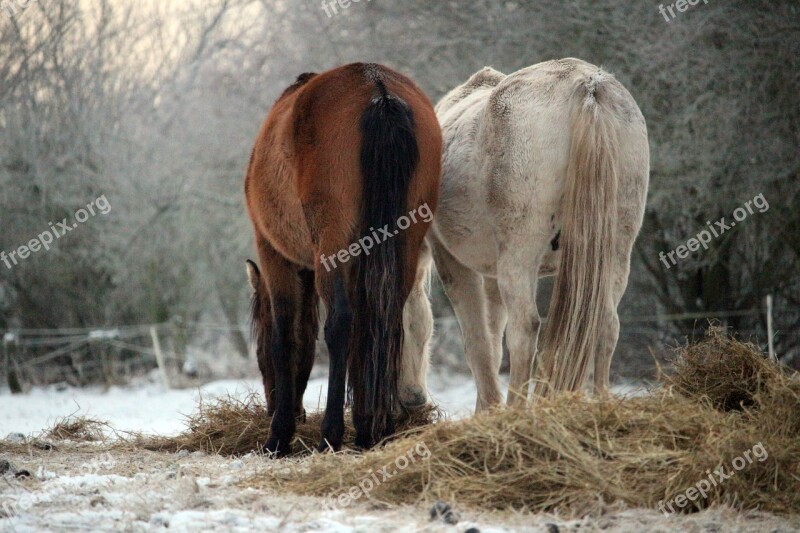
<point x="305" y="173"/>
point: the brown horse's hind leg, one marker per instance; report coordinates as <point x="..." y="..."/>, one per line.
<point x="283" y="284"/>
<point x="307" y="328"/>
<point x="338" y="326"/>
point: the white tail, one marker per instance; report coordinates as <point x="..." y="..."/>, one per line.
<point x="582" y="291"/>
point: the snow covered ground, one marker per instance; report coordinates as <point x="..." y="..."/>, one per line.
<point x="146" y="491"/>
<point x="150" y="408"/>
<point x="99" y="487"/>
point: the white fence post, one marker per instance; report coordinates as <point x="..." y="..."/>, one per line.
<point x="159" y="356"/>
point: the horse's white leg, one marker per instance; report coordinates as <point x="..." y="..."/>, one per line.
<point x="608" y="341"/>
<point x="464" y="288"/>
<point x="609" y="335"/>
<point x="418" y="328"/>
<point x="517" y="279"/>
<point x="496" y="319"/>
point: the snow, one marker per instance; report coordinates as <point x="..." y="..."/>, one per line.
<point x="75" y="488"/>
<point x="151" y="408"/>
<point x="167" y="493"/>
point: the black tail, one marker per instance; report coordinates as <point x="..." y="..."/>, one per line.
<point x="389" y="157"/>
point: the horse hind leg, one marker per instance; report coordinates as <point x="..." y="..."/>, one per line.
<point x="464" y="288"/>
<point x="496" y="319"/>
<point x="418" y="326"/>
<point x="282" y="283"/>
<point x="332" y="278"/>
<point x="609" y="330"/>
<point x="338" y="325"/>
<point x="517" y="281"/>
<point x="307" y="328"/>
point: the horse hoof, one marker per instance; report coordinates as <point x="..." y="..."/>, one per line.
<point x="275" y="448"/>
<point x="364" y="443"/>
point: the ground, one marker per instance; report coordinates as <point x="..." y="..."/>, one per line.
<point x="110" y="486"/>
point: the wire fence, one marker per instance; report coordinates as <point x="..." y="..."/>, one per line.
<point x="114" y="354"/>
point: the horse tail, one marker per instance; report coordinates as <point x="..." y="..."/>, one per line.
<point x="582" y="289"/>
<point x="388" y="159"/>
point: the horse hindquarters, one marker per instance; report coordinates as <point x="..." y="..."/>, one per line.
<point x="604" y="202"/>
<point x="314" y="185"/>
<point x="350" y="197"/>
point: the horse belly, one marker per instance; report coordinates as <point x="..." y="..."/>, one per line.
<point x="463" y="226"/>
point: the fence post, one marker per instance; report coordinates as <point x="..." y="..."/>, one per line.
<point x="159" y="356"/>
<point x="179" y="340"/>
<point x="770" y="344"/>
<point x="9" y="362"/>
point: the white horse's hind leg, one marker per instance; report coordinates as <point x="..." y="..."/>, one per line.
<point x="464" y="288"/>
<point x="418" y="328"/>
<point x="610" y="327"/>
<point x="608" y="341"/>
<point x="518" y="280"/>
<point x="496" y="317"/>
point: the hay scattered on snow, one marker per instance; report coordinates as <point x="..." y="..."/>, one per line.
<point x="237" y="426"/>
<point x="77" y="429"/>
<point x="578" y="455"/>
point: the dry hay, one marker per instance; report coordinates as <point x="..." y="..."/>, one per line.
<point x="237" y="426"/>
<point x="577" y="455"/>
<point x="77" y="429"/>
<point x="722" y="370"/>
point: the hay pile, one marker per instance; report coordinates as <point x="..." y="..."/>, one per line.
<point x="237" y="426"/>
<point x="578" y="455"/>
<point x="77" y="429"/>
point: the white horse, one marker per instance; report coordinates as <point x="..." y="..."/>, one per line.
<point x="545" y="172"/>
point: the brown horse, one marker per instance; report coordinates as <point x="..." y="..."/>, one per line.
<point x="341" y="156"/>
